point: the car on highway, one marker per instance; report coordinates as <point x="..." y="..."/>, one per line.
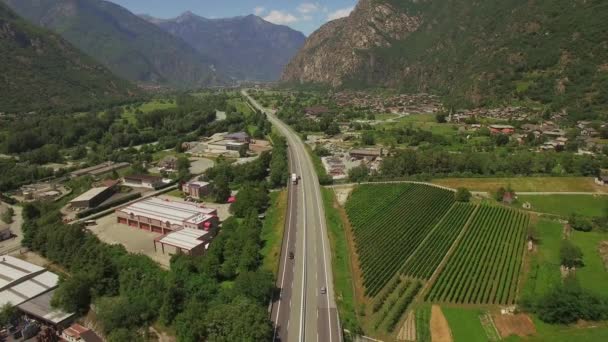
<point x="323" y="290"/>
<point x="291" y="256"/>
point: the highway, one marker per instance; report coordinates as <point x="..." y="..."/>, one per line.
<point x="302" y="312"/>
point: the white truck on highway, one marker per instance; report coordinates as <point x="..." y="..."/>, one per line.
<point x="294" y="178"/>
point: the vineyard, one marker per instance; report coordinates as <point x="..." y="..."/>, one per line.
<point x="389" y="223"/>
<point x="427" y="257"/>
<point x="485" y="267"/>
<point x="390" y="308"/>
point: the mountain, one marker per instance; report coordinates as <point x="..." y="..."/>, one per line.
<point x="128" y="45"/>
<point x="40" y="70"/>
<point x="246" y="48"/>
<point x="474" y="52"/>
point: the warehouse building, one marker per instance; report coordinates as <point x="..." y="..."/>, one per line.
<point x="30" y="288"/>
<point x="164" y="216"/>
<point x="92" y="198"/>
<point x="187" y="241"/>
<point x="196" y="189"/>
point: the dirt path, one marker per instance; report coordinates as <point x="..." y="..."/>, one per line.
<point x="440" y="330"/>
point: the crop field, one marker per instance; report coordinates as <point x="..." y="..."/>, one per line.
<point x="427" y="257"/>
<point x="389" y="223"/>
<point x="485" y="267"/>
<point x="391" y="308"/>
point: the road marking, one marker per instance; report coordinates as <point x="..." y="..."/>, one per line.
<point x="284" y="263"/>
<point x="303" y="292"/>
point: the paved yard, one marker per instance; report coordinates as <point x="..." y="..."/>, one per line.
<point x="134" y="240"/>
<point x="13" y="244"/>
<point x="200" y="165"/>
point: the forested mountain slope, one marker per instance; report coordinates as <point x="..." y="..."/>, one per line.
<point x="246" y="48"/>
<point x="128" y="45"/>
<point x="474" y="51"/>
<point x="40" y="70"/>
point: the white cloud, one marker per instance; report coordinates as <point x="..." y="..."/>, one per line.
<point x="341" y="13"/>
<point x="280" y="17"/>
<point x="259" y="10"/>
<point x="307" y="8"/>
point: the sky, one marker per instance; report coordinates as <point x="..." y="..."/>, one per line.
<point x="302" y="15"/>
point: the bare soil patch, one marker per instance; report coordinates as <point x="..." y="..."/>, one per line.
<point x="440" y="329"/>
<point x="519" y="324"/>
<point x="603" y="250"/>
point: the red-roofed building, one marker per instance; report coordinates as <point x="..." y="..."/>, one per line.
<point x="78" y="333"/>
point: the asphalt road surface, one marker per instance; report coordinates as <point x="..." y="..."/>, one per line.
<point x="301" y="312"/>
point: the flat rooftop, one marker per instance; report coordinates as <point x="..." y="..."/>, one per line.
<point x="186" y="238"/>
<point x="21" y="281"/>
<point x="13" y="269"/>
<point x="41" y="308"/>
<point x="89" y="195"/>
<point x="173" y="212"/>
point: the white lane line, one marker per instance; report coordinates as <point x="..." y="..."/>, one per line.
<point x="284" y="266"/>
<point x="323" y="230"/>
<point x="303" y="294"/>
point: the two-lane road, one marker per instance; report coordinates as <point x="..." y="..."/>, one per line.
<point x="302" y="312"/>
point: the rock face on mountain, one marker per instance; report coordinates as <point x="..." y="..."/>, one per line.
<point x="336" y="51"/>
<point x="128" y="45"/>
<point x="474" y="52"/>
<point x="40" y="70"/>
<point x="245" y="48"/>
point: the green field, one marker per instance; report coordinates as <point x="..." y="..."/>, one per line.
<point x="272" y="231"/>
<point x="130" y="115"/>
<point x="523" y="184"/>
<point x="593" y="276"/>
<point x="560" y="333"/>
<point x="485" y="267"/>
<point x="423" y="319"/>
<point x="564" y="205"/>
<point x="241" y="106"/>
<point x="341" y="264"/>
<point x="389" y="222"/>
<point x="465" y="324"/>
<point x="544" y="264"/>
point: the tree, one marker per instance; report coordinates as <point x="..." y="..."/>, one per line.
<point x="7" y="215"/>
<point x="183" y="169"/>
<point x="243" y="151"/>
<point x="73" y="294"/>
<point x="367" y="138"/>
<point x="500" y="194"/>
<point x="462" y="195"/>
<point x="8" y="314"/>
<point x="240" y="320"/>
<point x="579" y="223"/>
<point x="570" y="255"/>
<point x="440" y="117"/>
<point x="358" y="174"/>
<point x="257" y="285"/>
<point x="221" y="190"/>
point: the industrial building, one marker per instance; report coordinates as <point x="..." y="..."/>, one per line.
<point x="30" y="288"/>
<point x="92" y="198"/>
<point x="196" y="189"/>
<point x="164" y="216"/>
<point x="143" y="181"/>
<point x="188" y="241"/>
<point x="366" y="153"/>
<point x="239" y="137"/>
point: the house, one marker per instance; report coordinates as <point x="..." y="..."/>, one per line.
<point x="367" y="153"/>
<point x="502" y="129"/>
<point x="143" y="181"/>
<point x="196" y="189"/>
<point x="78" y="333"/>
<point x="169" y="163"/>
<point x="239" y="136"/>
<point x="316" y="111"/>
<point x="163" y="216"/>
<point x="92" y="198"/>
<point x="187" y="240"/>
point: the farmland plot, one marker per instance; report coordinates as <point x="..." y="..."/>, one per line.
<point x="485" y="267"/>
<point x="389" y="222"/>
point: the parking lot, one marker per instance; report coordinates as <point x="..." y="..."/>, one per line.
<point x="134" y="240"/>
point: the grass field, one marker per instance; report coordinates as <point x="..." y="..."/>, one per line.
<point x="241" y="106"/>
<point x="524" y="184"/>
<point x="564" y="205"/>
<point x="148" y="107"/>
<point x="425" y="122"/>
<point x="559" y="333"/>
<point x="340" y="259"/>
<point x="544" y="263"/>
<point x="272" y="231"/>
<point x="593" y="276"/>
<point x="465" y="324"/>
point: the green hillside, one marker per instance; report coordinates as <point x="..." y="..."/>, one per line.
<point x="40" y="70"/>
<point x="126" y="44"/>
